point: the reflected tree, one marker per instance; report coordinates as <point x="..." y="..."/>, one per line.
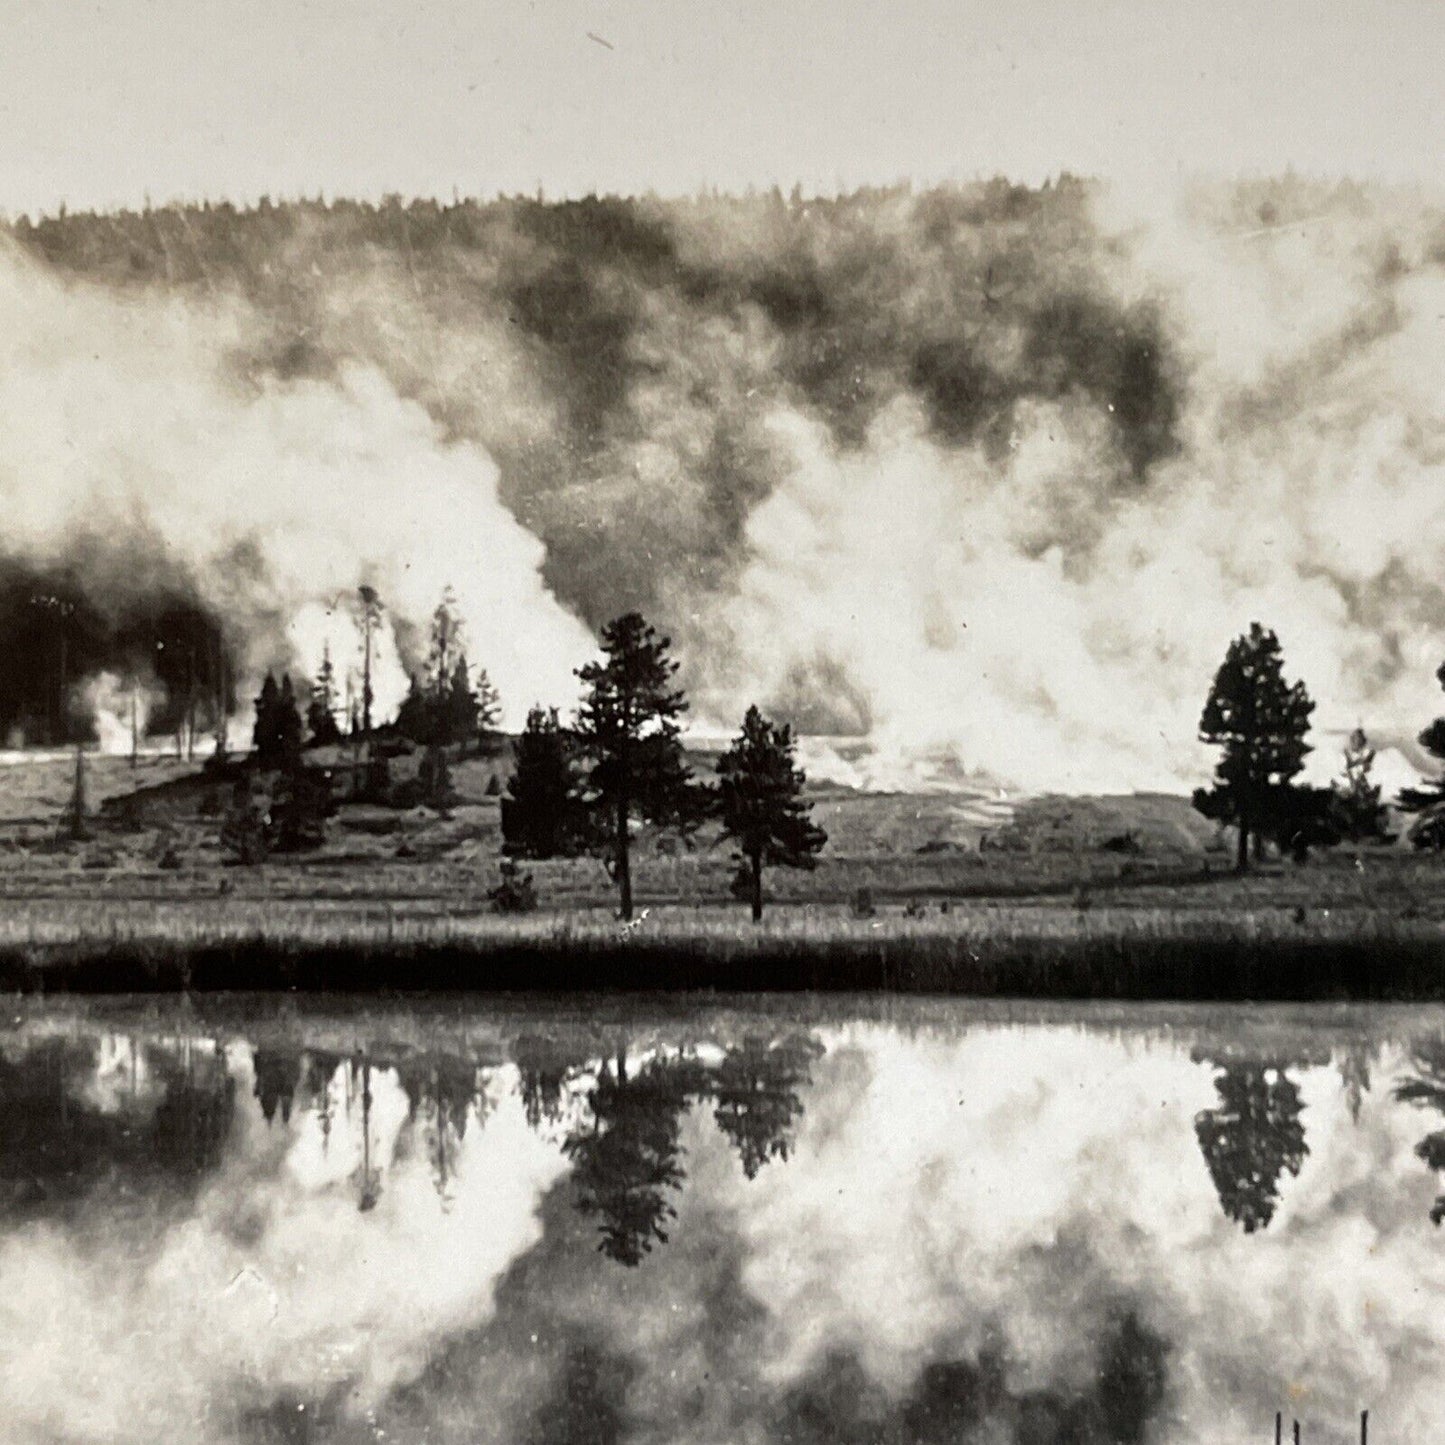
<point x="628" y="1160"/>
<point x="1354" y="1069"/>
<point x="193" y="1119"/>
<point x="441" y="1090"/>
<point x="1252" y="1139"/>
<point x="277" y="1072"/>
<point x="756" y="1090"/>
<point x="316" y="1076"/>
<point x="543" y="1070"/>
<point x="369" y="1191"/>
<point x="1424" y="1087"/>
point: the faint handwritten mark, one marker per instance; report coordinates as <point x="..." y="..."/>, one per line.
<point x="598" y="40"/>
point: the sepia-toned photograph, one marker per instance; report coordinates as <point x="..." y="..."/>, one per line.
<point x="722" y="724"/>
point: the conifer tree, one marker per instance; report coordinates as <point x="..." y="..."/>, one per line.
<point x="1361" y="816"/>
<point x="321" y="709"/>
<point x="628" y="729"/>
<point x="543" y="813"/>
<point x="1260" y="722"/>
<point x="461" y="704"/>
<point x="489" y="708"/>
<point x="288" y="725"/>
<point x="267" y="736"/>
<point x="761" y="805"/>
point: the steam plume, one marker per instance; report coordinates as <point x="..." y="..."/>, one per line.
<point x="985" y="478"/>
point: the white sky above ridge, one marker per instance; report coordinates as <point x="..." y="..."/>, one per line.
<point x="112" y="102"/>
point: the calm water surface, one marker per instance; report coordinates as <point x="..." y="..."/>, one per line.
<point x="266" y="1221"/>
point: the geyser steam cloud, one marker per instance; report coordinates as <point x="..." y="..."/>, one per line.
<point x="986" y="477"/>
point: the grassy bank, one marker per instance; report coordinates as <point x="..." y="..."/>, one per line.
<point x="996" y="951"/>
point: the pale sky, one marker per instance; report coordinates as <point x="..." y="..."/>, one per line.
<point x="108" y="101"/>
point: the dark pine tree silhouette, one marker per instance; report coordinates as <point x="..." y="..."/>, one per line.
<point x="629" y="1160"/>
<point x="1260" y="722"/>
<point x="1424" y="1087"/>
<point x="1252" y="1138"/>
<point x="321" y="722"/>
<point x="761" y="805"/>
<point x="544" y="814"/>
<point x="461" y="704"/>
<point x="628" y="729"/>
<point x="267" y="737"/>
<point x="755" y="1091"/>
<point x="285" y="731"/>
<point x="414" y="716"/>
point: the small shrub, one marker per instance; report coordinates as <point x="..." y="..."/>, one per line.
<point x="245" y="827"/>
<point x="862" y="904"/>
<point x="169" y="861"/>
<point x="515" y="893"/>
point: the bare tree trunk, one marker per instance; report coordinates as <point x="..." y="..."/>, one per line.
<point x="757" y="868"/>
<point x="624" y="860"/>
<point x="1241" y="857"/>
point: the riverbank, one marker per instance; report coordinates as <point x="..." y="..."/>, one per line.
<point x="985" y="951"/>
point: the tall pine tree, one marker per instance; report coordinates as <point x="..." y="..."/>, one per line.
<point x="628" y="729"/>
<point x="1259" y="721"/>
<point x="761" y="804"/>
<point x="321" y="708"/>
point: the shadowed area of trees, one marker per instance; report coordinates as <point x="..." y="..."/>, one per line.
<point x="59" y="1143"/>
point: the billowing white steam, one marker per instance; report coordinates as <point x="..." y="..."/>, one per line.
<point x="1050" y="621"/>
<point x="281" y="496"/>
<point x="1044" y="617"/>
<point x="120" y="709"/>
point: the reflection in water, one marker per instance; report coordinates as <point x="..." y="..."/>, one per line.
<point x="727" y="1227"/>
<point x="1251" y="1139"/>
<point x="628" y="1159"/>
<point x="1425" y="1087"/>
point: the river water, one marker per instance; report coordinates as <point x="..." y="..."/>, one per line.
<point x="765" y="1220"/>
